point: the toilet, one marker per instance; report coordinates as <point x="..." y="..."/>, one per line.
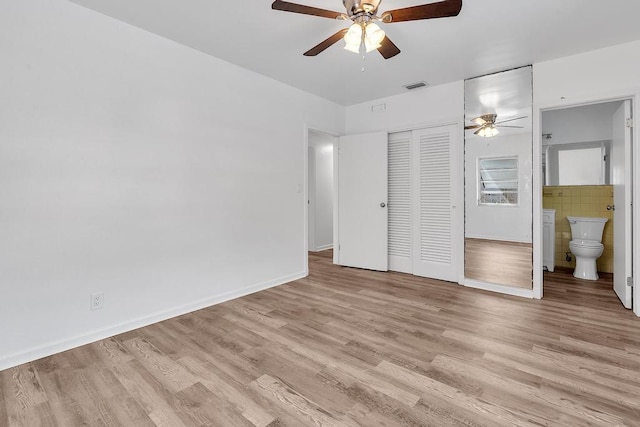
<point x="586" y="245"/>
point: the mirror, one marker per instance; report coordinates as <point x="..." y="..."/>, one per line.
<point x="576" y="145"/>
<point x="498" y="179"/>
<point x="577" y="164"/>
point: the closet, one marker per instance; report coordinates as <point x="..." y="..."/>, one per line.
<point x="425" y="202"/>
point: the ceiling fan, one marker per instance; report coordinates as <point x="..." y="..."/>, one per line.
<point x="365" y="35"/>
<point x="486" y="125"/>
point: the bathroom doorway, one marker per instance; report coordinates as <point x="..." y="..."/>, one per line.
<point x="586" y="200"/>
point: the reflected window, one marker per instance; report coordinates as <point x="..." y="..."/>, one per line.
<point x="583" y="166"/>
<point x="498" y="181"/>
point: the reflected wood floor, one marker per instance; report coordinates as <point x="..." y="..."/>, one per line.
<point x="348" y="347"/>
<point x="499" y="262"/>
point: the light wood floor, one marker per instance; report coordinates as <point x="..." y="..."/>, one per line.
<point x="499" y="262"/>
<point x="350" y="347"/>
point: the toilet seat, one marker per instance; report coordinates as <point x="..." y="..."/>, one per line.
<point x="591" y="244"/>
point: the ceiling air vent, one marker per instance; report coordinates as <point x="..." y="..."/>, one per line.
<point x="416" y="85"/>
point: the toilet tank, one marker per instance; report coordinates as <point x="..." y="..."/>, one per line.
<point x="586" y="228"/>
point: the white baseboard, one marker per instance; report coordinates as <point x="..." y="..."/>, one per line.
<point x="323" y="248"/>
<point x="59" y="346"/>
<point x="519" y="292"/>
<point x="498" y="239"/>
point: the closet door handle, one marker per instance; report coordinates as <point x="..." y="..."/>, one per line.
<point x="611" y="207"/>
<point x="383" y="204"/>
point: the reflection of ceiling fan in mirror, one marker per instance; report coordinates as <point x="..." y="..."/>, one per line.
<point x="365" y="35"/>
<point x="486" y="125"/>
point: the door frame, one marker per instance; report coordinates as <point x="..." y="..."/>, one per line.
<point x="305" y="200"/>
<point x="311" y="239"/>
<point x="538" y="109"/>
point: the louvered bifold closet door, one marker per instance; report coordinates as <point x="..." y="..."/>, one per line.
<point x="400" y="202"/>
<point x="435" y="194"/>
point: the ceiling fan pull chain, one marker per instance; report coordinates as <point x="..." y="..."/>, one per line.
<point x="363" y="49"/>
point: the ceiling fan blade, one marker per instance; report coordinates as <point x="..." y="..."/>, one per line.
<point x="472" y="127"/>
<point x="442" y="9"/>
<point x="305" y="10"/>
<point x="479" y="121"/>
<point x="388" y="49"/>
<point x="515" y="127"/>
<point x="510" y="120"/>
<point x="322" y="46"/>
<point x="478" y="131"/>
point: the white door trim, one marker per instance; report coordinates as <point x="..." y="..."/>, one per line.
<point x="309" y="128"/>
<point x="633" y="95"/>
<point x="311" y="160"/>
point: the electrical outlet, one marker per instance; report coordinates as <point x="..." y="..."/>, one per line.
<point x="97" y="301"/>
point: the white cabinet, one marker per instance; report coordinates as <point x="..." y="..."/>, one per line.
<point x="548" y="239"/>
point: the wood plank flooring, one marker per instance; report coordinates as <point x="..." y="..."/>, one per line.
<point x="347" y="347"/>
<point x="499" y="262"/>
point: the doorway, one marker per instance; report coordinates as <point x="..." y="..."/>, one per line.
<point x="586" y="159"/>
<point x="320" y="191"/>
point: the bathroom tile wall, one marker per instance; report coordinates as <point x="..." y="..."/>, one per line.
<point x="584" y="200"/>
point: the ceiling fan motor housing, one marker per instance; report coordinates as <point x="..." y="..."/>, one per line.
<point x="489" y="118"/>
<point x="355" y="7"/>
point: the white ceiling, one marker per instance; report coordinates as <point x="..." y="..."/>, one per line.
<point x="487" y="36"/>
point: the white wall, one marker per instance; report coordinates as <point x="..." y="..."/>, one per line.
<point x="589" y="123"/>
<point x="320" y="191"/>
<point x="413" y="110"/>
<point x="592" y="76"/>
<point x="508" y="223"/>
<point x="131" y="165"/>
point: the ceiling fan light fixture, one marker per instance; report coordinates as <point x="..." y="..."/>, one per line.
<point x="374" y="34"/>
<point x="372" y="37"/>
<point x="368" y="46"/>
<point x="488" y="131"/>
<point x="352" y="48"/>
<point x="353" y="38"/>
